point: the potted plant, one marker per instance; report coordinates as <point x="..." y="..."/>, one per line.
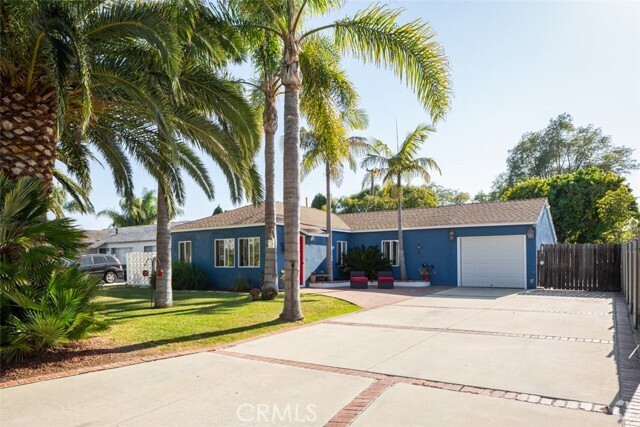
<point x="426" y="271"/>
<point x="255" y="294"/>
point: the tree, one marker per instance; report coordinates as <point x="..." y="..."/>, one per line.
<point x="448" y="196"/>
<point x="588" y="206"/>
<point x="141" y="210"/>
<point x="327" y="90"/>
<point x="60" y="63"/>
<point x="372" y="35"/>
<point x="328" y="144"/>
<point x="319" y="201"/>
<point x="385" y="198"/>
<point x="563" y="148"/>
<point x="202" y="108"/>
<point x="217" y="210"/>
<point x="403" y="165"/>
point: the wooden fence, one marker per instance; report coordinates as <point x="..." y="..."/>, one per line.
<point x="588" y="267"/>
<point x="631" y="278"/>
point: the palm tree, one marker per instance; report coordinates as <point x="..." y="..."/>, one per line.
<point x="372" y="35"/>
<point x="60" y="63"/>
<point x="327" y="88"/>
<point x="403" y="165"/>
<point x="141" y="210"/>
<point x="329" y="145"/>
<point x="201" y="108"/>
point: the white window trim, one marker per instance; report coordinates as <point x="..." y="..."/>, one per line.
<point x="259" y="253"/>
<point x="190" y="251"/>
<point x="338" y="252"/>
<point x="215" y="253"/>
<point x="396" y="255"/>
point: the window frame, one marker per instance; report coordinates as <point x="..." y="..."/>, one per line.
<point x="339" y="253"/>
<point x="249" y="255"/>
<point x="224" y="248"/>
<point x="392" y="252"/>
<point x="180" y="244"/>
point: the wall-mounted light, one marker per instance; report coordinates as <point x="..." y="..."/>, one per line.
<point x="271" y="243"/>
<point x="452" y="235"/>
<point x="530" y="232"/>
<point x="312" y="238"/>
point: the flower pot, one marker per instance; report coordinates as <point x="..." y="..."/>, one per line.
<point x="255" y="294"/>
<point x="426" y="277"/>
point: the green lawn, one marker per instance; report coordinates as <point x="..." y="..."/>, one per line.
<point x="201" y="319"/>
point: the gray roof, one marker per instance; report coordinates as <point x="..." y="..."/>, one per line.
<point x="138" y="233"/>
<point x="469" y="214"/>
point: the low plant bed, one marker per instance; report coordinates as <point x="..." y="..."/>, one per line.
<point x="197" y="320"/>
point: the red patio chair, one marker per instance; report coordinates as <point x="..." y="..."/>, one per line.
<point x="385" y="280"/>
<point x="358" y="280"/>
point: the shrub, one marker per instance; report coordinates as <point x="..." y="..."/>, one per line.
<point x="184" y="277"/>
<point x="44" y="317"/>
<point x="187" y="277"/>
<point x="44" y="303"/>
<point x="241" y="284"/>
<point x="367" y="259"/>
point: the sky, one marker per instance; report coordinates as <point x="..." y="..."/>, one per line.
<point x="514" y="66"/>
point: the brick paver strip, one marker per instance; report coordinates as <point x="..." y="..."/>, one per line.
<point x="469" y="331"/>
<point x="359" y="404"/>
<point x="628" y="362"/>
<point x="395" y="379"/>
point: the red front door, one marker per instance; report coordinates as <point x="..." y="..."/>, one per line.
<point x="301" y="260"/>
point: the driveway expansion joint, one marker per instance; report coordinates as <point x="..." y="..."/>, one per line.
<point x="494" y="308"/>
<point x="385" y="381"/>
<point x="473" y="332"/>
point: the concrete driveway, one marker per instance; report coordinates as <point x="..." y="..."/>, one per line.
<point x="460" y="357"/>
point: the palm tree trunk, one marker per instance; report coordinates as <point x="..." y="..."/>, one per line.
<point x="28" y="138"/>
<point x="329" y="257"/>
<point x="291" y="78"/>
<point x="403" y="267"/>
<point x="270" y="124"/>
<point x="164" y="295"/>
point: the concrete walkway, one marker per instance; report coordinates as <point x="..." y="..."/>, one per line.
<point x="458" y="357"/>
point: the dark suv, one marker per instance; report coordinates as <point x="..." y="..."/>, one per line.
<point x="106" y="266"/>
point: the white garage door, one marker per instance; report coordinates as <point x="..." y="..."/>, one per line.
<point x="492" y="261"/>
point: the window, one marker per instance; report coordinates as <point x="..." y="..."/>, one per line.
<point x="342" y="251"/>
<point x="249" y="249"/>
<point x="225" y="253"/>
<point x="184" y="252"/>
<point x="390" y="251"/>
<point x="149" y="248"/>
<point x="103" y="250"/>
<point x="99" y="260"/>
<point x="85" y="261"/>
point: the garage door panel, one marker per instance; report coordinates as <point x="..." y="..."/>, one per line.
<point x="496" y="261"/>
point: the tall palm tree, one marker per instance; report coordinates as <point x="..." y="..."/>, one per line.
<point x="201" y="108"/>
<point x="330" y="146"/>
<point x="141" y="210"/>
<point x="373" y="35"/>
<point x="403" y="165"/>
<point x="60" y="62"/>
<point x="327" y="88"/>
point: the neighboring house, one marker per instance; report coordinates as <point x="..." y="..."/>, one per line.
<point x="478" y="244"/>
<point x="91" y="238"/>
<point x="122" y="240"/>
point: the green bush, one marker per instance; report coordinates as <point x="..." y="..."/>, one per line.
<point x="184" y="277"/>
<point x="367" y="259"/>
<point x="187" y="277"/>
<point x="241" y="284"/>
<point x="43" y="303"/>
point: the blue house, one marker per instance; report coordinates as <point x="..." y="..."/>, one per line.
<point x="477" y="244"/>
